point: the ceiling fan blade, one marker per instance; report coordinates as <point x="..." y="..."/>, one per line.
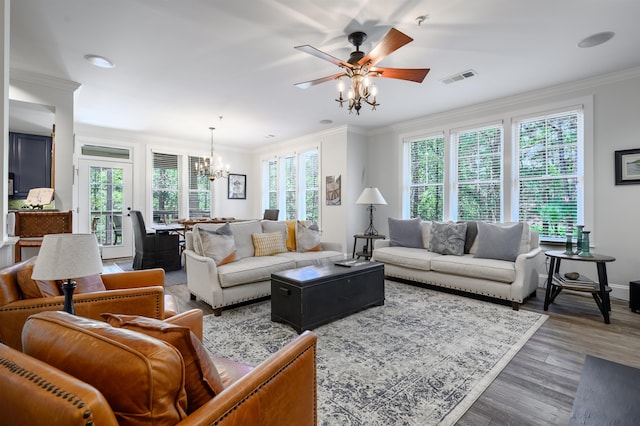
<point x="320" y="54"/>
<point x="391" y="42"/>
<point x="410" y="74"/>
<point x="307" y="84"/>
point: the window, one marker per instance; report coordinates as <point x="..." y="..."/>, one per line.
<point x="309" y="187"/>
<point x="471" y="174"/>
<point x="479" y="185"/>
<point x="426" y="178"/>
<point x="292" y="184"/>
<point x="199" y="193"/>
<point x="165" y="187"/>
<point x="549" y="172"/>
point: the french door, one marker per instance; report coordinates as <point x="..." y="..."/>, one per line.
<point x="104" y="200"/>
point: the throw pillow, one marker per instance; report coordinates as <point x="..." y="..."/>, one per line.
<point x="268" y="244"/>
<point x="89" y="284"/>
<point x="498" y="242"/>
<point x="291" y="234"/>
<point x="218" y="244"/>
<point x="405" y="232"/>
<point x="202" y="381"/>
<point x="141" y="378"/>
<point x="448" y="238"/>
<point x="274" y="226"/>
<point x="32" y="289"/>
<point x="472" y="233"/>
<point x="307" y="237"/>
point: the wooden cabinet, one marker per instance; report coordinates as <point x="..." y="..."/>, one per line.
<point x="30" y="161"/>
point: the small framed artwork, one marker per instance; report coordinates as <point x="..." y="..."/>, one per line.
<point x="627" y="167"/>
<point x="237" y="187"/>
<point x="333" y="190"/>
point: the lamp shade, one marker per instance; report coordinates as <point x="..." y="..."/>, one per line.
<point x="371" y="195"/>
<point x="66" y="256"/>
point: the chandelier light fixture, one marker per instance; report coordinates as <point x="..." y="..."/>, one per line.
<point x="212" y="167"/>
<point x="361" y="90"/>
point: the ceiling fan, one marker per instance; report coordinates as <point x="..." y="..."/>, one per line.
<point x="360" y="66"/>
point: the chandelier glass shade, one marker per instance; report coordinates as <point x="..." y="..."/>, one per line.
<point x="361" y="90"/>
<point x="212" y="167"/>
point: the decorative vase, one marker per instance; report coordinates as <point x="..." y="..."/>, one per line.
<point x="579" y="239"/>
<point x="568" y="247"/>
<point x="585" y="245"/>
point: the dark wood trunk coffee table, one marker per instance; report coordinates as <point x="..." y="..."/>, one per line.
<point x="308" y="297"/>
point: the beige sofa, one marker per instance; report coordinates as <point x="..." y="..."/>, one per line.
<point x="247" y="276"/>
<point x="513" y="281"/>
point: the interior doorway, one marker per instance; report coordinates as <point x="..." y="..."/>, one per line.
<point x="104" y="200"/>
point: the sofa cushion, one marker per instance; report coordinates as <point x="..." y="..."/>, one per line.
<point x="275" y="226"/>
<point x="202" y="381"/>
<point x="252" y="269"/>
<point x="414" y="258"/>
<point x="89" y="284"/>
<point x="307" y="237"/>
<point x="195" y="235"/>
<point x="31" y="288"/>
<point x="426" y="233"/>
<point x="268" y="244"/>
<point x="142" y="378"/>
<point x="218" y="244"/>
<point x="405" y="232"/>
<point x="242" y="236"/>
<point x="448" y="238"/>
<point x="469" y="266"/>
<point x="312" y="257"/>
<point x="499" y="242"/>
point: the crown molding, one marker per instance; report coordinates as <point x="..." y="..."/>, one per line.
<point x="42" y="80"/>
<point x="515" y="100"/>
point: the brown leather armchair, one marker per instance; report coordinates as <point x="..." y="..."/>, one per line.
<point x="131" y="292"/>
<point x="279" y="391"/>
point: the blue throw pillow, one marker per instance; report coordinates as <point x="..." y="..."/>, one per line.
<point x="405" y="232"/>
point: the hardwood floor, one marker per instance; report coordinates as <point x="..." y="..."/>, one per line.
<point x="539" y="385"/>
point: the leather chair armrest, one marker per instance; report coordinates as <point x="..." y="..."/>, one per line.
<point x="282" y="390"/>
<point x="147" y="301"/>
<point x="31" y="390"/>
<point x="134" y="279"/>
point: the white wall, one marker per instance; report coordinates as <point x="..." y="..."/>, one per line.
<point x="613" y="209"/>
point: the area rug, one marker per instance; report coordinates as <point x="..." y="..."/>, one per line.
<point x="421" y="359"/>
<point x="170" y="277"/>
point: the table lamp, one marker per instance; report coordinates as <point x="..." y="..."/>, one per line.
<point x="371" y="196"/>
<point x="67" y="256"/>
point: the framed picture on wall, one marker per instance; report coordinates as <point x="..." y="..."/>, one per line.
<point x="237" y="187"/>
<point x="627" y="166"/>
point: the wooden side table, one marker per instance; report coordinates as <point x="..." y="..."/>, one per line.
<point x="600" y="290"/>
<point x="368" y="247"/>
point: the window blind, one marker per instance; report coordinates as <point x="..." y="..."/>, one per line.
<point x="479" y="174"/>
<point x="426" y="178"/>
<point x="199" y="193"/>
<point x="549" y="172"/>
<point x="166" y="187"/>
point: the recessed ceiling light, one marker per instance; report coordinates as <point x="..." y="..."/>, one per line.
<point x="326" y="121"/>
<point x="596" y="39"/>
<point x="99" y="61"/>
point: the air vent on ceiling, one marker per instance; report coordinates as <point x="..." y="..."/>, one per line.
<point x="459" y="77"/>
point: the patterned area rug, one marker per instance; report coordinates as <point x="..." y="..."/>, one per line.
<point x="421" y="359"/>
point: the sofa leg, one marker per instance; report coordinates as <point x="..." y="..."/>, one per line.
<point x="217" y="312"/>
<point x="515" y="306"/>
<point x="192" y="296"/>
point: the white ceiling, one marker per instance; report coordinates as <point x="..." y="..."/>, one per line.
<point x="180" y="64"/>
